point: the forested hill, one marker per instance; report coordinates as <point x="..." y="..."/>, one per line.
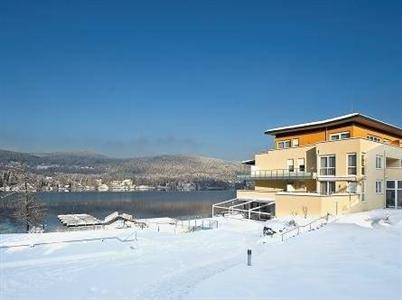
<point x="153" y="170"/>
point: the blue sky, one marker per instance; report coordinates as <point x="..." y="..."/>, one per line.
<point x="134" y="78"/>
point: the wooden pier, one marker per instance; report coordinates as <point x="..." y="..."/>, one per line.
<point x="85" y="220"/>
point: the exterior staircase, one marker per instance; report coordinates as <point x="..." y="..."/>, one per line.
<point x="300" y="229"/>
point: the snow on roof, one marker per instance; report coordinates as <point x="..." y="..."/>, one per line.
<point x="322" y="122"/>
<point x="313" y="123"/>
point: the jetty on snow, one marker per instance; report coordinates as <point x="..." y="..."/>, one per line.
<point x="86" y="220"/>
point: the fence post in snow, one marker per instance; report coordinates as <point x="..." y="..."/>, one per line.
<point x="249" y="257"/>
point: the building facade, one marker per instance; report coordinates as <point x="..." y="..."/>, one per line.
<point x="346" y="164"/>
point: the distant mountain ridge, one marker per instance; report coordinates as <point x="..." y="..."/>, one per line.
<point x="157" y="169"/>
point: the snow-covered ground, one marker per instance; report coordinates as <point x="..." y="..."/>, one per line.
<point x="356" y="257"/>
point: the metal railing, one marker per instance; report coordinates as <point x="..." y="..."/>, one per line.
<point x="278" y="174"/>
<point x="130" y="238"/>
<point x="303" y="228"/>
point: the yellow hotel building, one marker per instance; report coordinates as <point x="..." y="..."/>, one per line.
<point x="346" y="164"/>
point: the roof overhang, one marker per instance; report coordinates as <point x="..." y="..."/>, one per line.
<point x="250" y="162"/>
<point x="342" y="120"/>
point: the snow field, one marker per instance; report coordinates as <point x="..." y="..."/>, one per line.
<point x="355" y="257"/>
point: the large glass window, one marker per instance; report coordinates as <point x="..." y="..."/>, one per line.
<point x="352" y="164"/>
<point x="328" y="163"/>
<point x="390" y="195"/>
<point x="394" y="194"/>
<point x="327" y="187"/>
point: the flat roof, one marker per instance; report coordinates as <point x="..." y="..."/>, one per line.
<point x="341" y="120"/>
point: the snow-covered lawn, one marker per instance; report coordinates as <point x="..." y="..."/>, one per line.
<point x="356" y="257"/>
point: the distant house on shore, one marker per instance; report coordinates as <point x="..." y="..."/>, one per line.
<point x="103" y="188"/>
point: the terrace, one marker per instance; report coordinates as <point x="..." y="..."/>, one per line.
<point x="279" y="174"/>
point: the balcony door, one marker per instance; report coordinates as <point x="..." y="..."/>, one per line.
<point x="327" y="187"/>
<point x="393" y="194"/>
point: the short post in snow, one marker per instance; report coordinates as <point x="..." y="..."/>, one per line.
<point x="249" y="257"/>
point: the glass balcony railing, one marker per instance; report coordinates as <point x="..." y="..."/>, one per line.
<point x="277" y="174"/>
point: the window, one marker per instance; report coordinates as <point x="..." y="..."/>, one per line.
<point x="393" y="194"/>
<point x="327" y="187"/>
<point x="339" y="136"/>
<point x="301" y="164"/>
<point x="283" y="144"/>
<point x="295" y="142"/>
<point x="374" y="138"/>
<point x="378" y="186"/>
<point x="291" y="165"/>
<point x="352" y="187"/>
<point x="334" y="137"/>
<point x="352" y="164"/>
<point x="363" y="162"/>
<point x="390" y="184"/>
<point x="327" y="165"/>
<point x="378" y="161"/>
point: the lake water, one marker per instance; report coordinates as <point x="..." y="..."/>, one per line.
<point x="140" y="204"/>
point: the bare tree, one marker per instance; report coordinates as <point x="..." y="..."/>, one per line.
<point x="29" y="210"/>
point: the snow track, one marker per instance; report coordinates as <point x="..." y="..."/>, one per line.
<point x="178" y="284"/>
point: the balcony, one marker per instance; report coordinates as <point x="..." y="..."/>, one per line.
<point x="279" y="174"/>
